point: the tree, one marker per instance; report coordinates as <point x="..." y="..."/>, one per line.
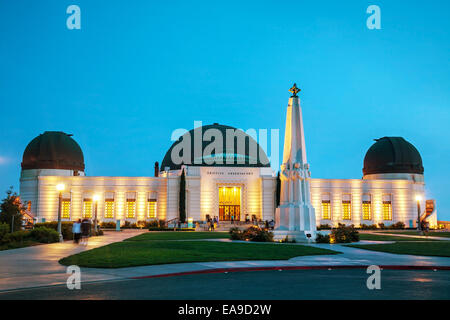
<point x="11" y="210"/>
<point x="278" y="190"/>
<point x="182" y="204"/>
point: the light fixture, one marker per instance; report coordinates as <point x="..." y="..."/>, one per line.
<point x="96" y="197"/>
<point x="60" y="187"/>
<point x="418" y="197"/>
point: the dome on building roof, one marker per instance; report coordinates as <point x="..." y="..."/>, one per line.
<point x="238" y="159"/>
<point x="392" y="155"/>
<point x="53" y="150"/>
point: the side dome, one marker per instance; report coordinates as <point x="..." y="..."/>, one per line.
<point x="53" y="150"/>
<point x="392" y="155"/>
<point x="252" y="155"/>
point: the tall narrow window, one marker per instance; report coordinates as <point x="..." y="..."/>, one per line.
<point x="65" y="206"/>
<point x="347" y="207"/>
<point x="387" y="207"/>
<point x="29" y="206"/>
<point x="367" y="207"/>
<point x="109" y="205"/>
<point x="151" y="208"/>
<point x="326" y="207"/>
<point x="87" y="208"/>
<point x="131" y="205"/>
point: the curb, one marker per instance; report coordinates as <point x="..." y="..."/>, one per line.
<point x="289" y="268"/>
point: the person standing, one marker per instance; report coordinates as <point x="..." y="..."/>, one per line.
<point x="76" y="230"/>
<point x="85" y="230"/>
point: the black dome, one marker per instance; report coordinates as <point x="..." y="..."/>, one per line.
<point x="260" y="161"/>
<point x="392" y="155"/>
<point x="53" y="150"/>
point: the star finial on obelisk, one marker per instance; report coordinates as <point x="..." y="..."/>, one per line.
<point x="294" y="90"/>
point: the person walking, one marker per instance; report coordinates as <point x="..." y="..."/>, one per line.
<point x="76" y="230"/>
<point x="85" y="230"/>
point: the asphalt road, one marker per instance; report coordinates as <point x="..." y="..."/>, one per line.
<point x="269" y="285"/>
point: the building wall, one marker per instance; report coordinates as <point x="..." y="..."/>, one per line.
<point x="42" y="192"/>
<point x="202" y="186"/>
<point x="403" y="194"/>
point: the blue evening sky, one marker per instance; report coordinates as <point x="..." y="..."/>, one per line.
<point x="137" y="70"/>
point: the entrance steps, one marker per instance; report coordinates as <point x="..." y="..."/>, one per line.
<point x="225" y="226"/>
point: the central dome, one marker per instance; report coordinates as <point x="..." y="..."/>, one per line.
<point x="53" y="150"/>
<point x="239" y="156"/>
<point x="392" y="155"/>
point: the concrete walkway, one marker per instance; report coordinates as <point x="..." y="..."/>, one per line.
<point x="38" y="266"/>
<point x="407" y="236"/>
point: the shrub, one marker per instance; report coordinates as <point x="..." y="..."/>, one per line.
<point x="324" y="227"/>
<point x="44" y="235"/>
<point x="368" y="227"/>
<point x="235" y="234"/>
<point x="254" y="233"/>
<point x="381" y="225"/>
<point x="344" y="234"/>
<point x="4" y="229"/>
<point x="108" y="225"/>
<point x="397" y="226"/>
<point x="17" y="236"/>
<point x="66" y="228"/>
<point x="323" y="238"/>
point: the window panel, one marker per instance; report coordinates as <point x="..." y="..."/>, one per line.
<point x="109" y="209"/>
<point x="151" y="209"/>
<point x="387" y="210"/>
<point x="65" y="209"/>
<point x="326" y="210"/>
<point x="87" y="209"/>
<point x="346" y="210"/>
<point x="367" y="210"/>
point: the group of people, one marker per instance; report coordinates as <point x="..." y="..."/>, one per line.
<point x="212" y="223"/>
<point x="81" y="230"/>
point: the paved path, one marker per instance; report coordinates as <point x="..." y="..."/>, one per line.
<point x="407" y="236"/>
<point x="38" y="265"/>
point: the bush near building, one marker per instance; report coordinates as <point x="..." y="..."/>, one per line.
<point x="24" y="238"/>
<point x="66" y="228"/>
<point x="341" y="234"/>
<point x="254" y="233"/>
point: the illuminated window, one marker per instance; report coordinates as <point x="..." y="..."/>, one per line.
<point x="87" y="208"/>
<point x="29" y="206"/>
<point x="367" y="207"/>
<point x="326" y="206"/>
<point x="109" y="205"/>
<point x="326" y="210"/>
<point x="346" y="207"/>
<point x="387" y="207"/>
<point x="109" y="209"/>
<point x="131" y="205"/>
<point x="65" y="209"/>
<point x="151" y="208"/>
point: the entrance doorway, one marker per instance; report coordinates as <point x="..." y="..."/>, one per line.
<point x="229" y="203"/>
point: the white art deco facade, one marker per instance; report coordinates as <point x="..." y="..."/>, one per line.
<point x="387" y="193"/>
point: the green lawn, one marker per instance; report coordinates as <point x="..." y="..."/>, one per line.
<point x="179" y="235"/>
<point x="140" y="253"/>
<point x="385" y="237"/>
<point x="424" y="248"/>
<point x="415" y="233"/>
